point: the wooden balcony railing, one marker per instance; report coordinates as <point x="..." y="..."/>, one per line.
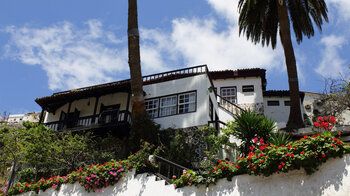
<point x="112" y="117"/>
<point x="185" y="71"/>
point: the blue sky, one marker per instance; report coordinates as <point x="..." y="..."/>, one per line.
<point x="49" y="46"/>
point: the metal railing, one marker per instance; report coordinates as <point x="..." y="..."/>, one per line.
<point x="168" y="169"/>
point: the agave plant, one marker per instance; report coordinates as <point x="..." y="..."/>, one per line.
<point x="248" y="125"/>
<point x="279" y="139"/>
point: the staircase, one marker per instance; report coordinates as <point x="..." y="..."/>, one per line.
<point x="228" y="106"/>
<point x="167" y="169"/>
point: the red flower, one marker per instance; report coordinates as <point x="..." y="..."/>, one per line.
<point x="255" y="140"/>
<point x="279" y="166"/>
<point x="332" y="120"/>
<point x="323" y="155"/>
<point x="262" y="161"/>
<point x="320" y="119"/>
<point x="253" y="168"/>
<point x="237" y="166"/>
<point x="302" y="152"/>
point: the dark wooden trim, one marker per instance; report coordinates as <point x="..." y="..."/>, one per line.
<point x="41" y="116"/>
<point x="127" y="104"/>
<point x="96" y="104"/>
<point x="69" y="106"/>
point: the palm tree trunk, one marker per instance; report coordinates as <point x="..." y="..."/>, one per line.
<point x="295" y="120"/>
<point x="138" y="102"/>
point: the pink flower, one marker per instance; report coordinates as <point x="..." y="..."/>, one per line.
<point x="116" y="179"/>
<point x="99" y="190"/>
<point x="93" y="175"/>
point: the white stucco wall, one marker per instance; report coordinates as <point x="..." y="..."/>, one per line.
<point x="243" y="97"/>
<point x="198" y="83"/>
<point x="331" y="179"/>
<point x="280" y="113"/>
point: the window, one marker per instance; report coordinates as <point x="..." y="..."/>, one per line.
<point x="168" y="106"/>
<point x="286" y="103"/>
<point x="273" y="103"/>
<point x="171" y="105"/>
<point x="152" y="107"/>
<point x="229" y="93"/>
<point x="187" y="102"/>
<point x="248" y="88"/>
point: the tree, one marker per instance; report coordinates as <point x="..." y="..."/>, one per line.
<point x="260" y="20"/>
<point x="138" y="102"/>
<point x="336" y="98"/>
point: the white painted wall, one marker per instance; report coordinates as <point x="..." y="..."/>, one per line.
<point x="331" y="179"/>
<point x="198" y="83"/>
<point x="243" y="97"/>
<point x="15" y="118"/>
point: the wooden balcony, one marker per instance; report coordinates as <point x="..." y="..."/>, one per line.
<point x="107" y="121"/>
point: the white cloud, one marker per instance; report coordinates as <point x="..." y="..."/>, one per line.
<point x="343" y="7"/>
<point x="199" y="42"/>
<point x="71" y="57"/>
<point x="226" y="8"/>
<point x="332" y="64"/>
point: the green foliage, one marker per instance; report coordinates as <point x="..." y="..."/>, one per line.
<point x="93" y="177"/>
<point x="140" y="160"/>
<point x="143" y="129"/>
<point x="307" y="153"/>
<point x="46" y="153"/>
<point x="248" y="125"/>
<point x="279" y="139"/>
<point x="187" y="178"/>
<point x="180" y="151"/>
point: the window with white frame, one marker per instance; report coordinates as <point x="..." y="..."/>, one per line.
<point x="229" y="93"/>
<point x="168" y="106"/>
<point x="187" y="102"/>
<point x="152" y="107"/>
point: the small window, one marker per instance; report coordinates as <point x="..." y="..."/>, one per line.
<point x="248" y="88"/>
<point x="187" y="102"/>
<point x="168" y="106"/>
<point x="286" y="103"/>
<point x="152" y="107"/>
<point x="229" y="93"/>
<point x="273" y="103"/>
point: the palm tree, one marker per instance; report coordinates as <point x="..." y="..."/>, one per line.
<point x="260" y="20"/>
<point x="138" y="102"/>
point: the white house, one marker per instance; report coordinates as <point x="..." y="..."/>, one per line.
<point x="19" y="118"/>
<point x="180" y="99"/>
<point x="184" y="98"/>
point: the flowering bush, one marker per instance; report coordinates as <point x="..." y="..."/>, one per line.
<point x="266" y="159"/>
<point x="92" y="178"/>
<point x="187" y="178"/>
<point x="309" y="152"/>
<point x="325" y="123"/>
